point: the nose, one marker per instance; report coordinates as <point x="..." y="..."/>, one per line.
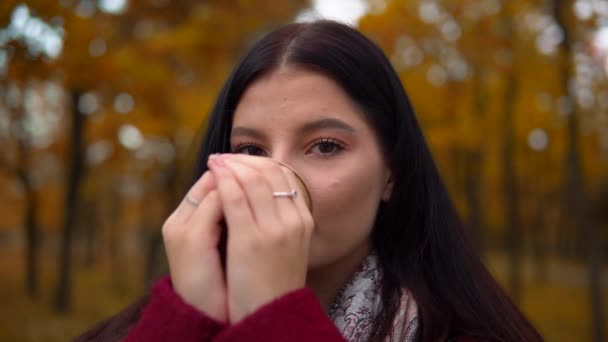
<point x="281" y="156"/>
<point x="284" y="155"/>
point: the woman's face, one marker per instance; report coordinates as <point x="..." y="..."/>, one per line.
<point x="306" y="120"/>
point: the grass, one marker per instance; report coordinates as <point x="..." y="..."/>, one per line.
<point x="95" y="297"/>
<point x="559" y="307"/>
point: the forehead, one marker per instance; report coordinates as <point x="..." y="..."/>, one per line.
<point x="291" y="96"/>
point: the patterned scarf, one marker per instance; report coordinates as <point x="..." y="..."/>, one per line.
<point x="359" y="301"/>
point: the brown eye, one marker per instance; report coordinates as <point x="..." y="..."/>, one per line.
<point x="327" y="147"/>
<point x="250" y="149"/>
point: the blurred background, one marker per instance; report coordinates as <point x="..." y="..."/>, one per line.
<point x="101" y="100"/>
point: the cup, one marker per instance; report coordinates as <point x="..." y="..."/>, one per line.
<point x="302" y="189"/>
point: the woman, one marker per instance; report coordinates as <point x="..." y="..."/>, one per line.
<point x="382" y="255"/>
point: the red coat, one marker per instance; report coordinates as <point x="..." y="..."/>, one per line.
<point x="294" y="317"/>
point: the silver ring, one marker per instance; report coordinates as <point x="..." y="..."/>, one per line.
<point x="292" y="194"/>
<point x="192" y="201"/>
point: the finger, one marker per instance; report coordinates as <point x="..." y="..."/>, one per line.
<point x="258" y="192"/>
<point x="289" y="175"/>
<point x="204" y="222"/>
<point x="196" y="193"/>
<point x="237" y="213"/>
<point x="272" y="179"/>
<point x="300" y="202"/>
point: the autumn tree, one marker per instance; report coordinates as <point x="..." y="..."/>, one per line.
<point x="141" y="70"/>
<point x="577" y="206"/>
<point x="26" y="99"/>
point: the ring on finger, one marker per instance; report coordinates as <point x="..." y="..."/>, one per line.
<point x="192" y="201"/>
<point x="301" y="183"/>
<point x="293" y="193"/>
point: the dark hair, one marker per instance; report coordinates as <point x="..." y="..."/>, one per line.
<point x="418" y="236"/>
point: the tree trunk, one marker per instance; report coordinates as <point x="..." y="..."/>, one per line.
<point x="90" y="223"/>
<point x="30" y="222"/>
<point x="31" y="237"/>
<point x="474" y="160"/>
<point x="154" y="242"/>
<point x="513" y="227"/>
<point x="29" y="218"/>
<point x="539" y="233"/>
<point x="64" y="283"/>
<point x="154" y="239"/>
<point x="576" y="202"/>
<point x="473" y="179"/>
<point x="513" y="224"/>
<point x="118" y="283"/>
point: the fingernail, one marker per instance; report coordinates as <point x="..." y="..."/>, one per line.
<point x="218" y="162"/>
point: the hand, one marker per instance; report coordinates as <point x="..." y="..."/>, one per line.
<point x="191" y="235"/>
<point x="268" y="237"/>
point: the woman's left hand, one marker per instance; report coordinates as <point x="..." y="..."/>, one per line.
<point x="268" y="237"/>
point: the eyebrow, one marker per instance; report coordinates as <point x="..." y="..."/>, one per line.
<point x="306" y="128"/>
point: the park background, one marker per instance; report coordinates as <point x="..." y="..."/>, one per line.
<point x="101" y="103"/>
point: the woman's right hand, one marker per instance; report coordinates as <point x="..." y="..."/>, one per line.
<point x="191" y="235"/>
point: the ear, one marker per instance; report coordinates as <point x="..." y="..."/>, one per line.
<point x="388" y="188"/>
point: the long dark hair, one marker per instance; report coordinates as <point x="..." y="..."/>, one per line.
<point x="418" y="236"/>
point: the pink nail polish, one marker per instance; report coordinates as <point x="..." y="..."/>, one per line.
<point x="218" y="162"/>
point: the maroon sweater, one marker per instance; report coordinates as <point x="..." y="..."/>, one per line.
<point x="294" y="317"/>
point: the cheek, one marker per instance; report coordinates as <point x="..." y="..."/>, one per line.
<point x="345" y="200"/>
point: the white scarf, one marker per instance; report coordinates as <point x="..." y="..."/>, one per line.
<point x="359" y="301"/>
